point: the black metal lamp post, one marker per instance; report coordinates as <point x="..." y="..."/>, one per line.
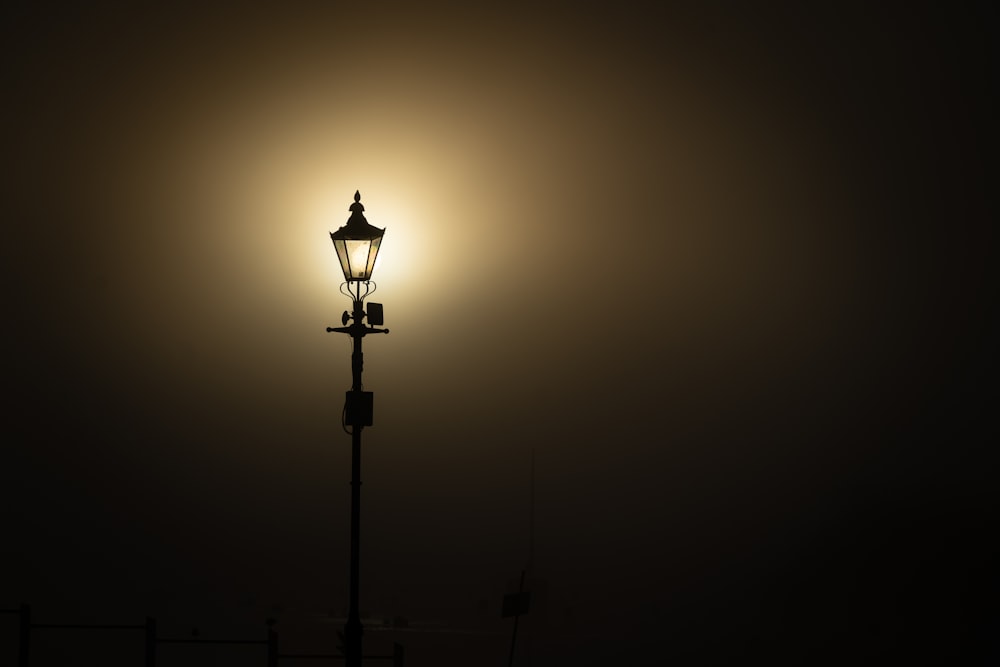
<point x="357" y="245"/>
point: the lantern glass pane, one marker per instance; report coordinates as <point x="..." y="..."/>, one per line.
<point x="373" y="253"/>
<point x="358" y="251"/>
<point x="345" y="265"/>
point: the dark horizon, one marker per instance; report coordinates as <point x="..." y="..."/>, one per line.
<point x="726" y="274"/>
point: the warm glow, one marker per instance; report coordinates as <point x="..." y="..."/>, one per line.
<point x="356" y="255"/>
<point x="358" y="252"/>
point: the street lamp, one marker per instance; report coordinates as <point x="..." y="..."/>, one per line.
<point x="357" y="244"/>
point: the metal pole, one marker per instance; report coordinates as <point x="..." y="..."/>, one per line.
<point x="513" y="636"/>
<point x="272" y="648"/>
<point x="24" y="641"/>
<point x="150" y="642"/>
<point x="353" y="630"/>
<point x="357" y="414"/>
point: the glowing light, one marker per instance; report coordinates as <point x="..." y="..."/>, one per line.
<point x="357" y="257"/>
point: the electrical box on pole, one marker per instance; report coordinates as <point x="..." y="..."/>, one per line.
<point x="359" y="408"/>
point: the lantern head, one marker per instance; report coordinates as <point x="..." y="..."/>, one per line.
<point x="357" y="244"/>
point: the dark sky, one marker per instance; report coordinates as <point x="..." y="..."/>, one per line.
<point x="723" y="272"/>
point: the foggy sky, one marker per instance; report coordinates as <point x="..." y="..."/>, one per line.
<point x="723" y="271"/>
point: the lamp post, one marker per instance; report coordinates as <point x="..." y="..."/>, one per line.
<point x="357" y="244"/>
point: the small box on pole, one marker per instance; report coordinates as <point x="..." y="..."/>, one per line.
<point x="375" y="316"/>
<point x="359" y="408"/>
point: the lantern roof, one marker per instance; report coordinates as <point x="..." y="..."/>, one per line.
<point x="357" y="226"/>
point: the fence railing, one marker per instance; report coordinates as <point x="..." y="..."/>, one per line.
<point x="153" y="640"/>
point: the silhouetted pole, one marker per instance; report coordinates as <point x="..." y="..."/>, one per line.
<point x="272" y="647"/>
<point x="357" y="415"/>
<point x="513" y="636"/>
<point x="24" y="640"/>
<point x="357" y="245"/>
<point x="150" y="642"/>
<point x="354" y="630"/>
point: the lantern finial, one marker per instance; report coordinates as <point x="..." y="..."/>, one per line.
<point x="357" y="207"/>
